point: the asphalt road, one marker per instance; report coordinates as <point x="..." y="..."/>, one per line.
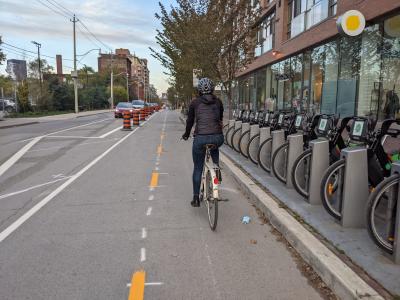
<point x="84" y="209"/>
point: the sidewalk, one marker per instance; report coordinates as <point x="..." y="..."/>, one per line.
<point x="16" y="122"/>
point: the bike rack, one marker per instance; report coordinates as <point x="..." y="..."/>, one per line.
<point x="355" y="187"/>
<point x="396" y="245"/>
<point x="278" y="138"/>
<point x="296" y="143"/>
<point x="254" y="130"/>
<point x="265" y="133"/>
<point x="319" y="163"/>
<point x="245" y="140"/>
<point x="235" y="142"/>
<point x="228" y="136"/>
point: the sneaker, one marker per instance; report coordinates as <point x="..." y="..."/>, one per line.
<point x="195" y="202"/>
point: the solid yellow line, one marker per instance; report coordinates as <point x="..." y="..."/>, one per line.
<point x="136" y="291"/>
<point x="159" y="149"/>
<point x="154" y="179"/>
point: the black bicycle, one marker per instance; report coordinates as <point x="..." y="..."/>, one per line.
<point x="245" y="137"/>
<point x="237" y="132"/>
<point x="327" y="129"/>
<point x="237" y="116"/>
<point x="361" y="133"/>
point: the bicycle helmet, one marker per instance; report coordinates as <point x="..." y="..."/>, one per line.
<point x="205" y="86"/>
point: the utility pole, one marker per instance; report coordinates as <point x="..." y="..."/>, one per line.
<point x="127" y="86"/>
<point x="112" y="82"/>
<point x="75" y="72"/>
<point x="38" y="45"/>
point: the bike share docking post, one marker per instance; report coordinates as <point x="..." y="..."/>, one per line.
<point x="235" y="141"/>
<point x="245" y="139"/>
<point x="278" y="138"/>
<point x="265" y="133"/>
<point x="355" y="187"/>
<point x="254" y="130"/>
<point x="296" y="142"/>
<point x="319" y="163"/>
<point x="396" y="245"/>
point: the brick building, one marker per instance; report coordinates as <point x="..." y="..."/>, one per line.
<point x="302" y="62"/>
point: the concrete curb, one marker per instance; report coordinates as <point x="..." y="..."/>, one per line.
<point x="18" y="125"/>
<point x="343" y="281"/>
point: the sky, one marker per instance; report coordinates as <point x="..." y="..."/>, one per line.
<point x="127" y="24"/>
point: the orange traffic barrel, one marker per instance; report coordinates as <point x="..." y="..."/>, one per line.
<point x="145" y="112"/>
<point x="127" y="120"/>
<point x="142" y="116"/>
<point x="135" y="119"/>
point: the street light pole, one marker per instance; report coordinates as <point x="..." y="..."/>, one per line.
<point x="127" y="87"/>
<point x="75" y="77"/>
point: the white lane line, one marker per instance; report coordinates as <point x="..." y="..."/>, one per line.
<point x="32" y="187"/>
<point x="144" y="233"/>
<point x="148" y="284"/>
<point x="149" y="210"/>
<point x="63" y="130"/>
<point x="151" y="197"/>
<point x="157" y="169"/>
<point x="58" y="175"/>
<point x="82" y="144"/>
<point x="13" y="159"/>
<point x="151" y="189"/>
<point x="21" y="220"/>
<point x="143" y="254"/>
<point x="71" y="137"/>
<point x="110" y="132"/>
<point x="157" y="163"/>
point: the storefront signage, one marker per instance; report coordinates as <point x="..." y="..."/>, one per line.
<point x="392" y="27"/>
<point x="351" y="23"/>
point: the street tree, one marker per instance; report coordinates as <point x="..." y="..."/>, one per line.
<point x="23" y="97"/>
<point x="2" y="55"/>
<point x="120" y="93"/>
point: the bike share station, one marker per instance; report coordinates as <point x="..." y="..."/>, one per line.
<point x="348" y="234"/>
<point x="396" y="245"/>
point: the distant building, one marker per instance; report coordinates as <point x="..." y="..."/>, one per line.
<point x="16" y="69"/>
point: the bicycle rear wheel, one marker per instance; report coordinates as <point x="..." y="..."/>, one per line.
<point x="301" y="173"/>
<point x="264" y="155"/>
<point x="381" y="213"/>
<point x="332" y="188"/>
<point x="211" y="202"/>
<point x="279" y="162"/>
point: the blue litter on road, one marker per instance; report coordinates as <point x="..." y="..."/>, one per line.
<point x="245" y="220"/>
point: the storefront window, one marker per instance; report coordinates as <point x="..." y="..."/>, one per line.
<point x="369" y="86"/>
<point x="287" y="84"/>
<point x="317" y="67"/>
<point x="348" y="75"/>
<point x="261" y="89"/>
<point x="296" y="72"/>
<point x="390" y="106"/>
<point x="252" y="92"/>
<point x="329" y="87"/>
<point x="306" y="81"/>
<point x="274" y="86"/>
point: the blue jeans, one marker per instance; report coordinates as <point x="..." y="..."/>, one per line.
<point x="199" y="153"/>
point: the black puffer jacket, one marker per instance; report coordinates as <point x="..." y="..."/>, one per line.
<point x="207" y="111"/>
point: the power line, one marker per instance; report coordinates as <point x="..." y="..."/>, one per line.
<point x="53" y="10"/>
<point x="93" y="35"/>
<point x="48" y="56"/>
<point x="55" y="3"/>
<point x="88" y="37"/>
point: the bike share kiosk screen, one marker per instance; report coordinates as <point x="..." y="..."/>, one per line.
<point x="323" y="125"/>
<point x="299" y="120"/>
<point x="359" y="130"/>
<point x="280" y="119"/>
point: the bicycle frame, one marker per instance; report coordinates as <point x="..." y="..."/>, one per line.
<point x="211" y="167"/>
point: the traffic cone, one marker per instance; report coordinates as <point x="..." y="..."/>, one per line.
<point x="142" y="116"/>
<point x="135" y="120"/>
<point x="127" y="120"/>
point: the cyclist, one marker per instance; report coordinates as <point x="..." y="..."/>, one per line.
<point x="207" y="111"/>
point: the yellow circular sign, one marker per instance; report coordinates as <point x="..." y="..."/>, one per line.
<point x="351" y="23"/>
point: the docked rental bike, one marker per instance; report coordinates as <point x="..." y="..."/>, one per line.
<point x="382" y="202"/>
<point x="210" y="181"/>
<point x="299" y="123"/>
<point x="328" y="129"/>
<point x="379" y="163"/>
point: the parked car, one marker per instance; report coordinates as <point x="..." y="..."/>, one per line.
<point x="121" y="108"/>
<point x="8" y="105"/>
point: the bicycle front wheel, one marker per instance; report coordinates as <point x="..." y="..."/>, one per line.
<point x="252" y="148"/>
<point x="264" y="155"/>
<point x="225" y="129"/>
<point x="381" y="213"/>
<point x="211" y="202"/>
<point x="301" y="173"/>
<point x="242" y="145"/>
<point x="279" y="162"/>
<point x="235" y="139"/>
<point x="332" y="188"/>
<point x="228" y="136"/>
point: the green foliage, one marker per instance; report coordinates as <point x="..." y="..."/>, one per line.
<point x="33" y="68"/>
<point x="120" y="94"/>
<point x="2" y="55"/>
<point x="23" y="97"/>
<point x="7" y="84"/>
